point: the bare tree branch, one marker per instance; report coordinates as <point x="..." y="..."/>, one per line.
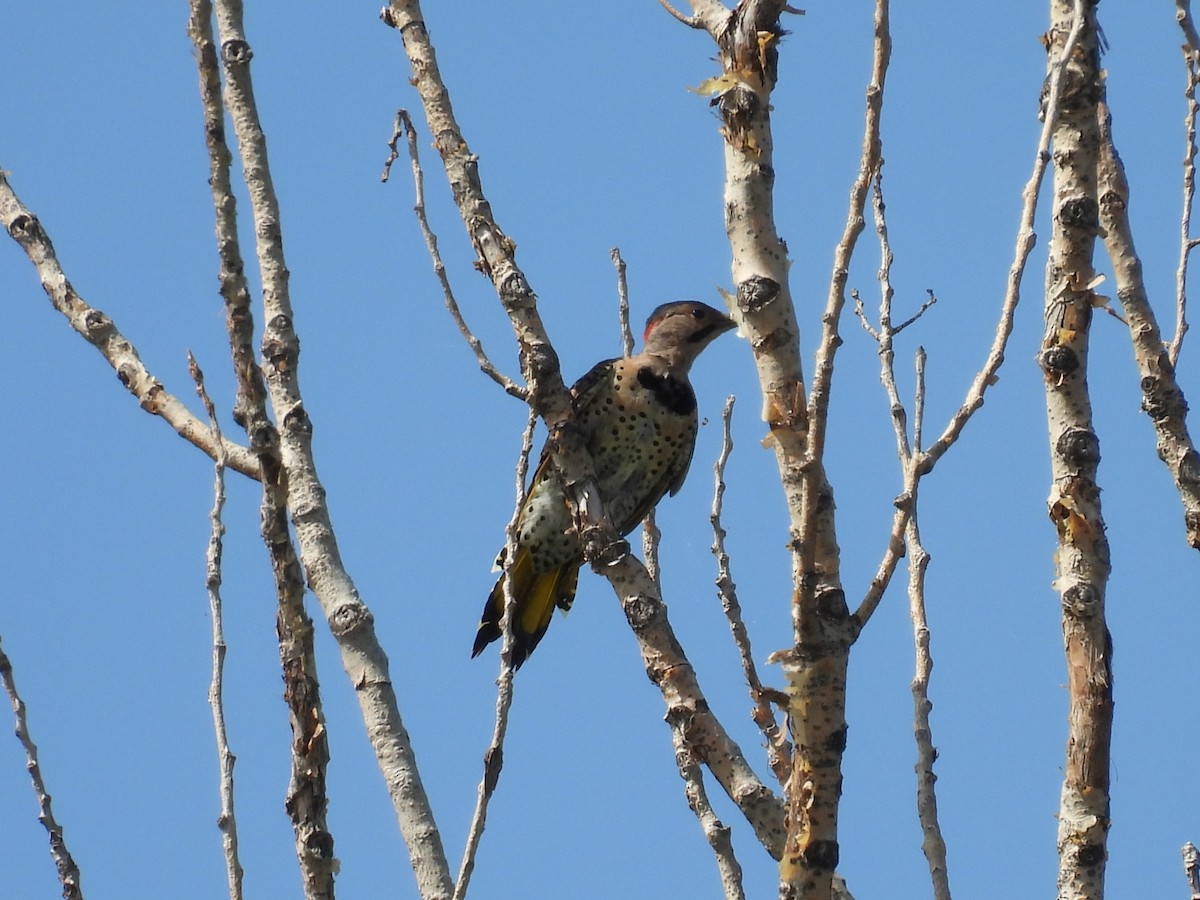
<point x="1082" y="556"/>
<point x="227" y="821"/>
<point x="710" y="15"/>
<point x="717" y="834"/>
<point x="102" y="333"/>
<point x="623" y="302"/>
<point x="349" y="618"/>
<point x="908" y="453"/>
<point x="932" y="842"/>
<point x="1162" y="397"/>
<point x="763" y="700"/>
<point x="68" y="872"/>
<point x="307" y="801"/>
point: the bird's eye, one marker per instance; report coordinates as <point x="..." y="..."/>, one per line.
<point x="697" y="314"/>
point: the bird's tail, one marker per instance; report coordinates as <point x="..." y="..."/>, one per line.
<point x="536" y="593"/>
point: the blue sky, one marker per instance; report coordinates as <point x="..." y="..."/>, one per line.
<point x="588" y="139"/>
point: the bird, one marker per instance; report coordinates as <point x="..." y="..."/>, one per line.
<point x="637" y="416"/>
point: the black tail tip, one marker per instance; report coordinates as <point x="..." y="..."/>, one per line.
<point x="489" y="633"/>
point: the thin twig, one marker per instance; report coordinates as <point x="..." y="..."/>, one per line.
<point x="870" y="159"/>
<point x="68" y="872"/>
<point x="352" y="623"/>
<point x="1183" y="15"/>
<point x="689" y="21"/>
<point x="102" y="333"/>
<point x="493" y="757"/>
<point x="932" y="843"/>
<point x="1191" y="61"/>
<point x="906" y="519"/>
<point x="227" y="821"/>
<point x="712" y="16"/>
<point x="930" y="300"/>
<point x="404" y="125"/>
<point x="861" y="315"/>
<point x="623" y="301"/>
<point x="763" y="700"/>
<point x="885" y="335"/>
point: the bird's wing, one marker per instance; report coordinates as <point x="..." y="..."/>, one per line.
<point x="584" y="390"/>
<point x="679" y="472"/>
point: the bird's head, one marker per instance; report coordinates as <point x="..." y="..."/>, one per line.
<point x="678" y="331"/>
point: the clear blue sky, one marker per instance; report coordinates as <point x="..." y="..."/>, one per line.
<point x="588" y="139"/>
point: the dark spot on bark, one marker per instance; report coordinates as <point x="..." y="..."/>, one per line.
<point x="1081" y="600"/>
<point x="831" y="604"/>
<point x="821" y="855"/>
<point x="836" y="742"/>
<point x="1080" y="212"/>
<point x="1079" y="448"/>
<point x="1090" y="854"/>
<point x="1059" y="360"/>
<point x="1189" y="468"/>
<point x="755" y="293"/>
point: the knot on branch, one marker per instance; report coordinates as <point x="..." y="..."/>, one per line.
<point x="835" y="741"/>
<point x="349" y="617"/>
<point x="151" y="400"/>
<point x="1059" y="361"/>
<point x="1160" y="401"/>
<point x="297" y="422"/>
<point x="236" y="52"/>
<point x="772" y="340"/>
<point x="23" y="226"/>
<point x="1189" y="469"/>
<point x="514" y="290"/>
<point x="640" y="611"/>
<point x="1191" y="521"/>
<point x="1082" y="213"/>
<point x="1112" y="203"/>
<point x="821" y="855"/>
<point x="1079" y="448"/>
<point x="1081" y="601"/>
<point x="831" y="604"/>
<point x="540" y="361"/>
<point x="756" y="293"/>
<point x="96" y="323"/>
<point x="318" y="843"/>
<point x="601" y="547"/>
<point x="1091" y="854"/>
<point x="1081" y="86"/>
<point x="127" y="374"/>
<point x="263" y="437"/>
<point x="280" y="346"/>
<point x="680" y="717"/>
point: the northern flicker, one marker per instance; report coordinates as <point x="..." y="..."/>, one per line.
<point x="638" y="419"/>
